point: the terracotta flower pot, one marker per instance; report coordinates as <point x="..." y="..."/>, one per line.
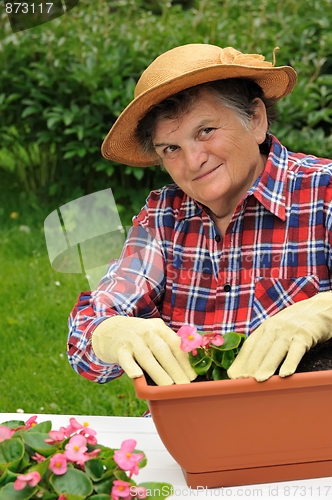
<point x="235" y="432"/>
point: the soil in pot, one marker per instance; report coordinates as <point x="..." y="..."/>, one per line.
<point x="318" y="358"/>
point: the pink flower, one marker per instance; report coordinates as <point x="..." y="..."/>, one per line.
<point x="73" y="426"/>
<point x="87" y="431"/>
<point x="94" y="453"/>
<point x="121" y="489"/>
<point x="56" y="436"/>
<point x="84" y="429"/>
<point x="39" y="458"/>
<point x="58" y="464"/>
<point x="190" y="339"/>
<point x="76" y="449"/>
<point x="206" y="339"/>
<point x="31" y="422"/>
<point x="30" y="479"/>
<point x="217" y="339"/>
<point x="89" y="434"/>
<point x="212" y="338"/>
<point x="5" y="433"/>
<point x="126" y="459"/>
<point x="62" y="497"/>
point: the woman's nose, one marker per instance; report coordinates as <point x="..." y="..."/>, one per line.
<point x="195" y="156"/>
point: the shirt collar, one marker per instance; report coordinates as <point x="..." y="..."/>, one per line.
<point x="269" y="188"/>
<point x="188" y="208"/>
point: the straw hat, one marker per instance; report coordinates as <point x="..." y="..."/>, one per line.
<point x="181" y="68"/>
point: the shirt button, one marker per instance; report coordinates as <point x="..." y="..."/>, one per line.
<point x="217" y="238"/>
<point x="227" y="288"/>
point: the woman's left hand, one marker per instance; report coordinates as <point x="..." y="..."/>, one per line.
<point x="285" y="336"/>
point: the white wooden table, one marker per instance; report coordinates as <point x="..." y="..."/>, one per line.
<point x="111" y="431"/>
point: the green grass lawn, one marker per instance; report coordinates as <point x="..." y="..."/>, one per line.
<point x="35" y="375"/>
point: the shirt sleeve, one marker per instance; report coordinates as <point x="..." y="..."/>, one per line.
<point x="133" y="286"/>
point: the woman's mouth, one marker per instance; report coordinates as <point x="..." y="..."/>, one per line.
<point x="206" y="174"/>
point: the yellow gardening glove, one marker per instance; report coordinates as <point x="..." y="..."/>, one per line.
<point x="156" y="348"/>
<point x="288" y="334"/>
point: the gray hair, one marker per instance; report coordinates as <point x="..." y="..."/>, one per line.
<point x="237" y="94"/>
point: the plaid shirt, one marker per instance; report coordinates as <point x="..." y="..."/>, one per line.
<point x="276" y="251"/>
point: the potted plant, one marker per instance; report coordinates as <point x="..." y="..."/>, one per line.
<point x="235" y="432"/>
<point x="68" y="464"/>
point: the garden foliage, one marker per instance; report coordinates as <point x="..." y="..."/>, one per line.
<point x="65" y="82"/>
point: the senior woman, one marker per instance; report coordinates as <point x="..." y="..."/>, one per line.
<point x="240" y="242"/>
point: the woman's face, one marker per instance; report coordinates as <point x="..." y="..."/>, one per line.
<point x="209" y="153"/>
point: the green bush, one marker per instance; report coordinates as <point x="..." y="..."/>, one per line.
<point x="64" y="83"/>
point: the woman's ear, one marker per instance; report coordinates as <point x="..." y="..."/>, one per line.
<point x="259" y="121"/>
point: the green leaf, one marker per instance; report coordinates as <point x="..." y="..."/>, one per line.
<point x="73" y="482"/>
<point x="101" y="496"/>
<point x="7" y="476"/>
<point x="40" y="467"/>
<point x="13" y="97"/>
<point x="104" y="486"/>
<point x="11" y="453"/>
<point x="223" y="359"/>
<point x="121" y="474"/>
<point x="13" y="424"/>
<point x="94" y="469"/>
<point x="157" y="490"/>
<point x="231" y="341"/>
<point x="25" y="462"/>
<point x="42" y="427"/>
<point x="69" y="154"/>
<point x="36" y="441"/>
<point x="71" y="496"/>
<point x="138" y="173"/>
<point x="219" y="373"/>
<point x="53" y="120"/>
<point x="9" y="493"/>
<point x="30" y="110"/>
<point x="200" y="363"/>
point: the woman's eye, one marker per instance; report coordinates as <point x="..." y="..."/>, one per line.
<point x="206" y="131"/>
<point x="170" y="149"/>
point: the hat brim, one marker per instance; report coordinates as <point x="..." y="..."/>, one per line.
<point x="121" y="144"/>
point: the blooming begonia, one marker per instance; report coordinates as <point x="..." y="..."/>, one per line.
<point x="89" y="434"/>
<point x="121" y="489"/>
<point x="84" y="429"/>
<point x="212" y="338"/>
<point x="207" y="351"/>
<point x="58" y="464"/>
<point x="46" y="476"/>
<point x="127" y="460"/>
<point x="73" y="426"/>
<point x="30" y="479"/>
<point x="76" y="448"/>
<point x="217" y="340"/>
<point x="56" y="436"/>
<point x="190" y="339"/>
<point x="31" y="422"/>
